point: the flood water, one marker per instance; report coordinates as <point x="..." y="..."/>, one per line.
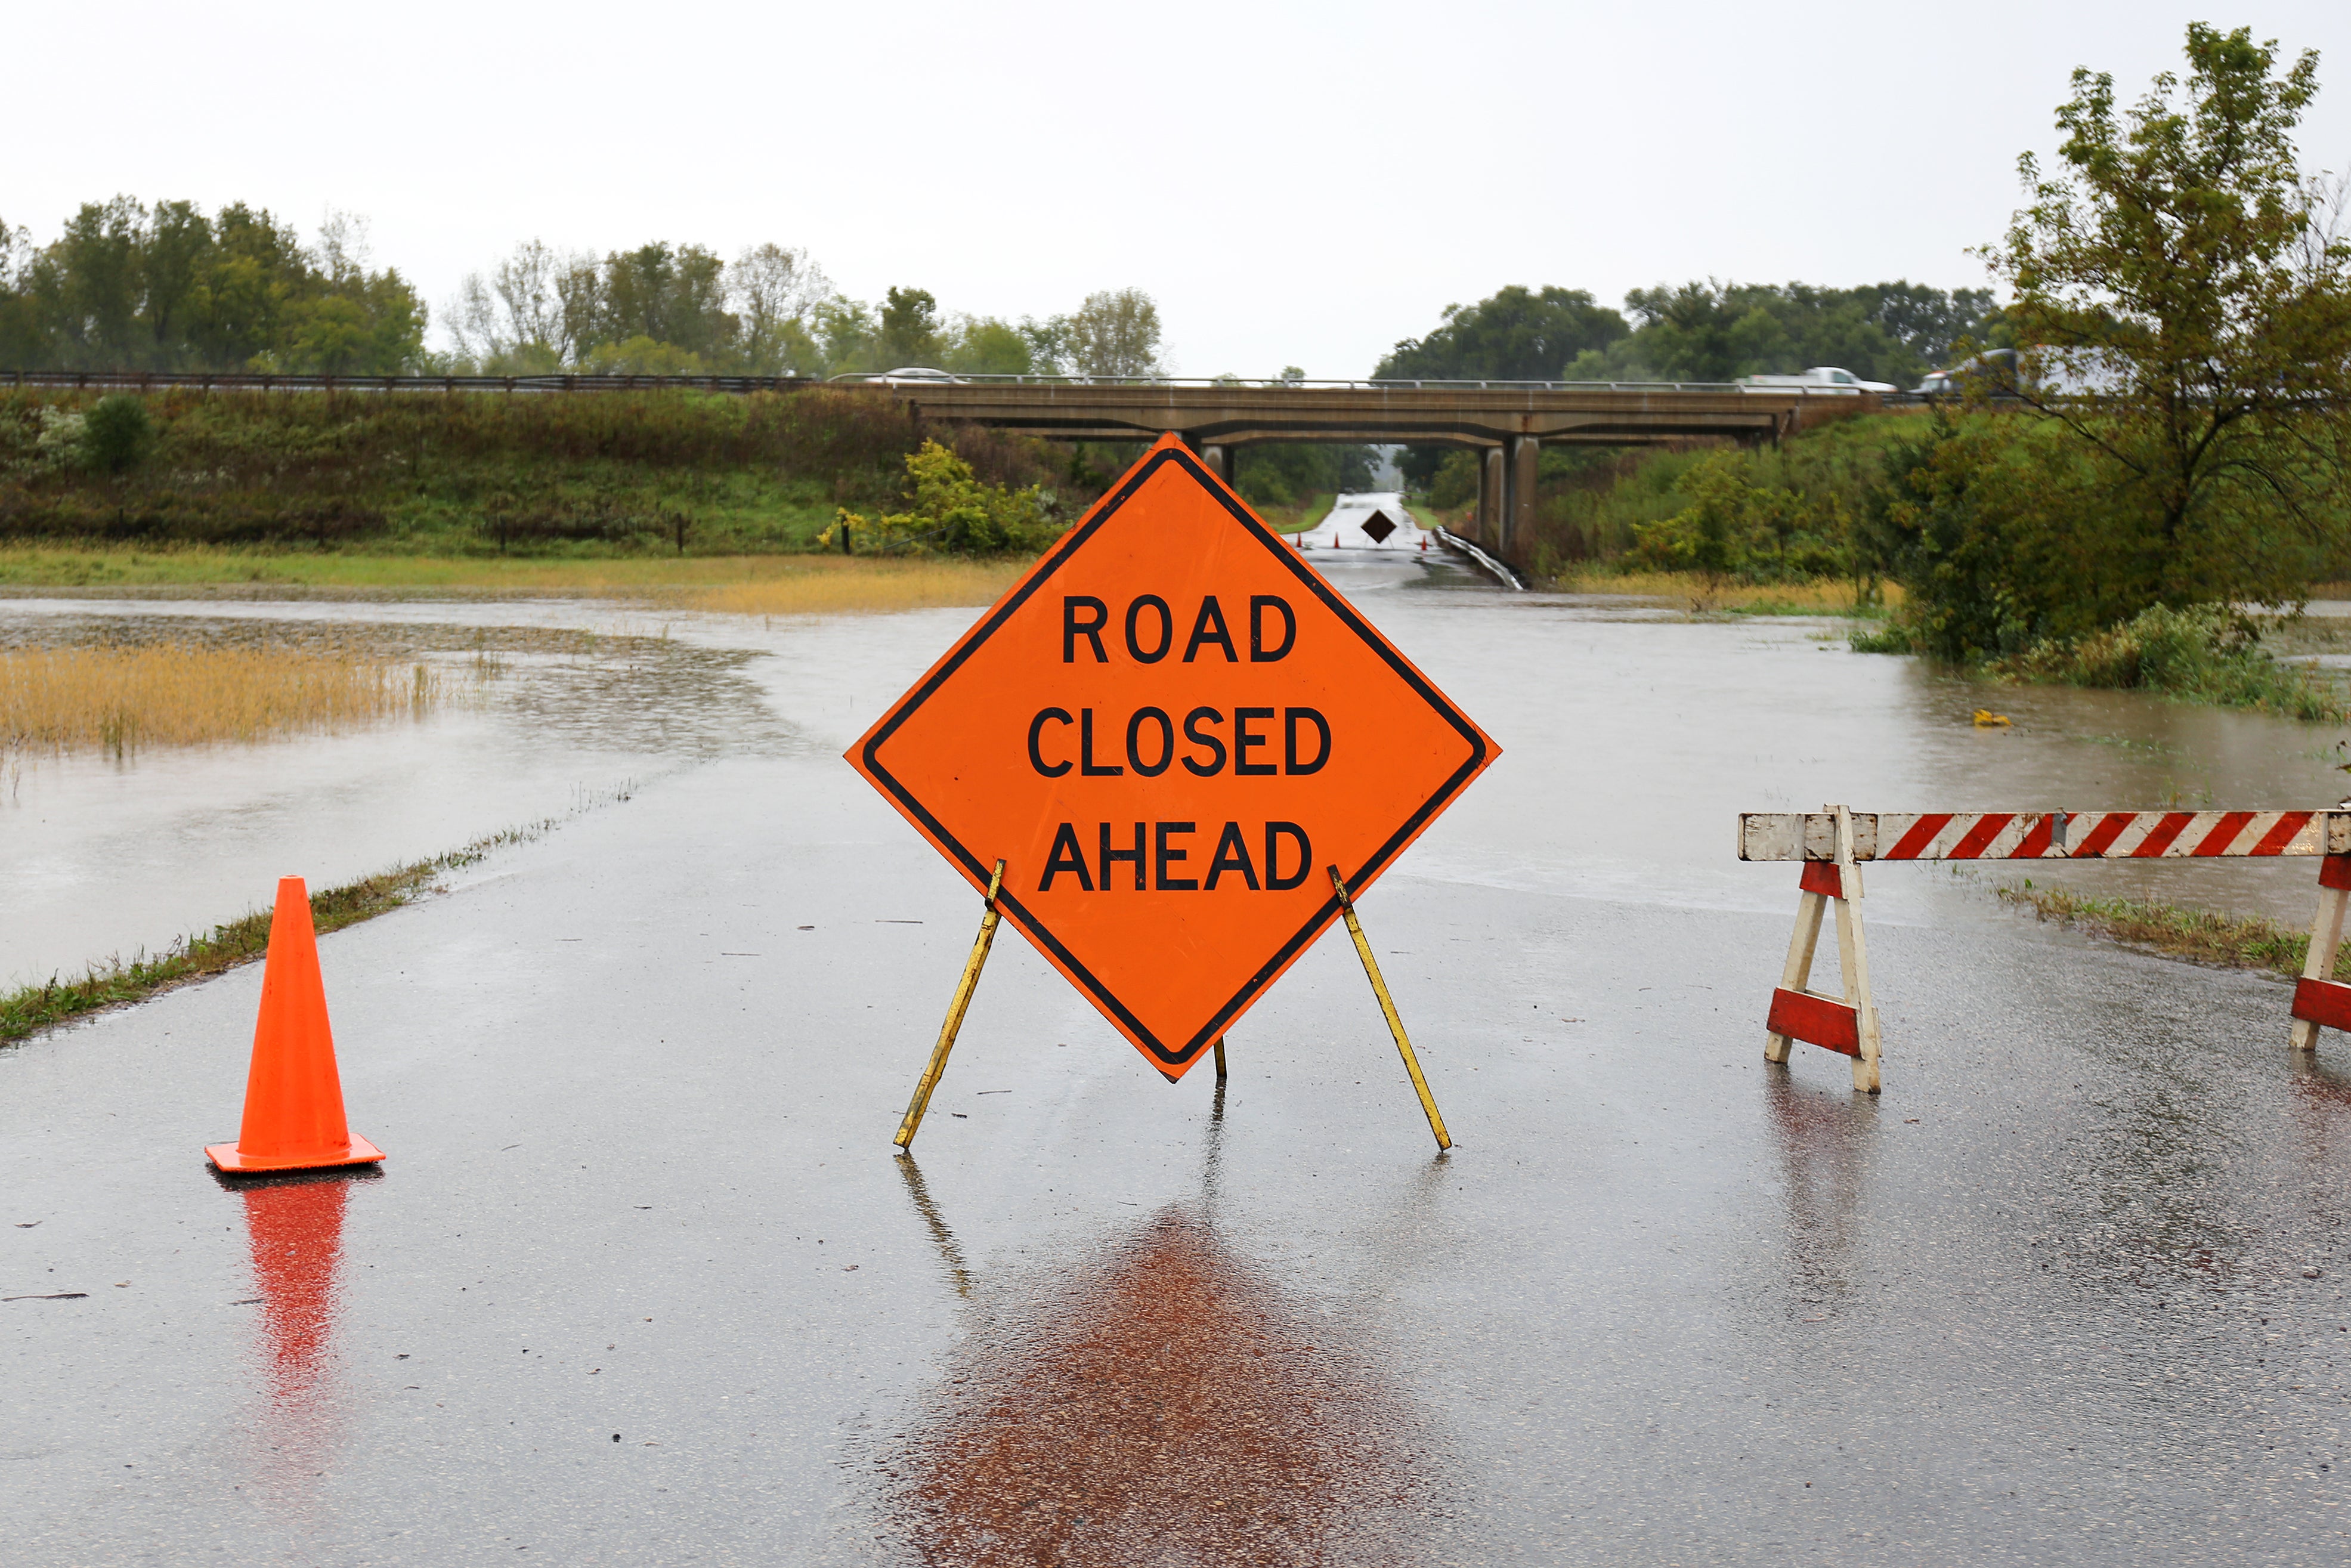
<point x="1633" y="735"/>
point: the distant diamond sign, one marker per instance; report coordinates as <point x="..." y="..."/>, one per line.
<point x="1170" y="730"/>
<point x="1379" y="528"/>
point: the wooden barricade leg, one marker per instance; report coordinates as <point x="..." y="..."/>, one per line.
<point x="1846" y="1024"/>
<point x="1853" y="956"/>
<point x="1811" y="904"/>
<point x="955" y="1009"/>
<point x="2318" y="999"/>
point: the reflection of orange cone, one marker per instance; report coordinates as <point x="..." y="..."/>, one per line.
<point x="293" y="1099"/>
<point x="297" y="1231"/>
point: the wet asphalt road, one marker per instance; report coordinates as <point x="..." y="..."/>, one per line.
<point x="641" y="1281"/>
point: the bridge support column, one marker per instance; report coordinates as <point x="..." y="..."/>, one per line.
<point x="1491" y="485"/>
<point x="1519" y="517"/>
<point x="1218" y="460"/>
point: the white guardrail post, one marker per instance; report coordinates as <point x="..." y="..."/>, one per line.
<point x="1831" y="843"/>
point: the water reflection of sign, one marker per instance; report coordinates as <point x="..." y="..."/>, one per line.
<point x="1170" y="1403"/>
<point x="1170" y="729"/>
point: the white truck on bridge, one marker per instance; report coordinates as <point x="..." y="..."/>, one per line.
<point x="1819" y="379"/>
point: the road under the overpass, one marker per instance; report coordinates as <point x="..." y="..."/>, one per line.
<point x="1509" y="424"/>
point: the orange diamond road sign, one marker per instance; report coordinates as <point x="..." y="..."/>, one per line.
<point x="1168" y="731"/>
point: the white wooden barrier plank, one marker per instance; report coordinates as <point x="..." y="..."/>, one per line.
<point x="2044" y="835"/>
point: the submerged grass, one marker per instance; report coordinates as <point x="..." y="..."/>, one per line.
<point x="2176" y="931"/>
<point x="120" y="982"/>
<point x="117" y="699"/>
<point x="865" y="587"/>
<point x="1816" y="598"/>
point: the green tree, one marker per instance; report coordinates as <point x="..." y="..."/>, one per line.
<point x="1735" y="528"/>
<point x="126" y="286"/>
<point x="988" y="347"/>
<point x="22" y="338"/>
<point x="953" y="513"/>
<point x="1715" y="332"/>
<point x="116" y="434"/>
<point x="909" y="327"/>
<point x="88" y="284"/>
<point x="2187" y="312"/>
<point x="773" y="289"/>
<point x="256" y="267"/>
<point x="671" y="295"/>
<point x="848" y="335"/>
<point x="1114" y="335"/>
<point x="1514" y="334"/>
<point x="1285" y="473"/>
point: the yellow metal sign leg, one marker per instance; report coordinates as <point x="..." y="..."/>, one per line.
<point x="955" y="1009"/>
<point x="1387" y="1006"/>
<point x="1221" y="1059"/>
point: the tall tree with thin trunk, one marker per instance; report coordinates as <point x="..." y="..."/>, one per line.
<point x="2187" y="312"/>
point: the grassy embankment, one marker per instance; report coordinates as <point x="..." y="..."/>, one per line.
<point x="1297" y="517"/>
<point x="749" y="585"/>
<point x="119" y="982"/>
<point x="2175" y="931"/>
<point x="487" y="475"/>
<point x="2202" y="654"/>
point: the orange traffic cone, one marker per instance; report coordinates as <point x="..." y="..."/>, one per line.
<point x="293" y="1098"/>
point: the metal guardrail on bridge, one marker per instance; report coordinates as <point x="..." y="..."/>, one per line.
<point x="1423" y="383"/>
<point x="208" y="380"/>
<point x="232" y="381"/>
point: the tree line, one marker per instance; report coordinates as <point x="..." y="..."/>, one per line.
<point x="684" y="310"/>
<point x="170" y="288"/>
<point x="1701" y="331"/>
<point x="127" y="286"/>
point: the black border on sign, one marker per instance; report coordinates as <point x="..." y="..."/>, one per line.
<point x="1356" y="880"/>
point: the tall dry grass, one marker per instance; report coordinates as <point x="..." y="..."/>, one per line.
<point x="118" y="699"/>
<point x="1822" y="597"/>
<point x="837" y="586"/>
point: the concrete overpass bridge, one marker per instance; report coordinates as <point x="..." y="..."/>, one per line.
<point x="1508" y="422"/>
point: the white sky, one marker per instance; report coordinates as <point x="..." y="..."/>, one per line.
<point x="1295" y="184"/>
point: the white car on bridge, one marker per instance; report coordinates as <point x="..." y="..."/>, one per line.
<point x="1827" y="379"/>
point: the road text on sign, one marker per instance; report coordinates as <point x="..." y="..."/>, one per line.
<point x="1168" y="729"/>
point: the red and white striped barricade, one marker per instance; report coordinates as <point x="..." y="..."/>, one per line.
<point x="1833" y="842"/>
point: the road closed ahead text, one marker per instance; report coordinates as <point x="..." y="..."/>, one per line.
<point x="1253" y="741"/>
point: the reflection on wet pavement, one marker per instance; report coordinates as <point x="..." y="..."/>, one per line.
<point x="1823" y="1137"/>
<point x="294" y="1226"/>
<point x="1164" y="1402"/>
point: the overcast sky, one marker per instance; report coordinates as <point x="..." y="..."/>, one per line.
<point x="1295" y="184"/>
